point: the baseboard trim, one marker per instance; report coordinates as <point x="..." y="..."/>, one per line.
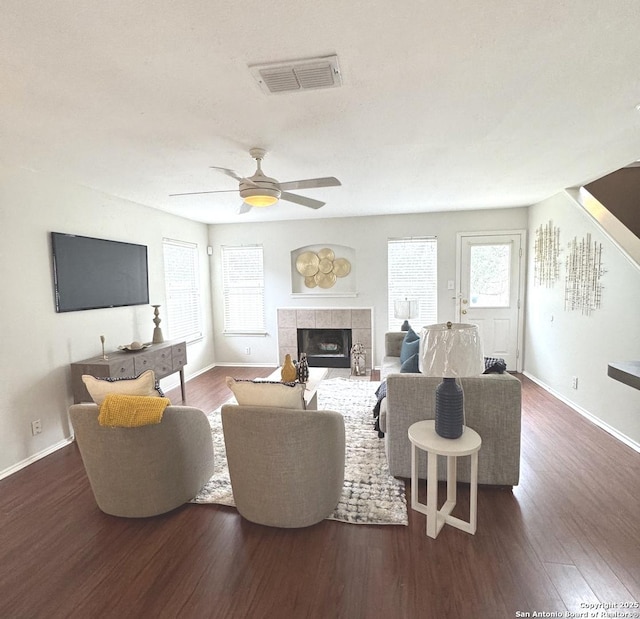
<point x="35" y="457"/>
<point x="623" y="438"/>
<point x="234" y="364"/>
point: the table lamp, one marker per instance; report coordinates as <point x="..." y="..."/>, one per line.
<point x="450" y="350"/>
<point x="405" y="309"/>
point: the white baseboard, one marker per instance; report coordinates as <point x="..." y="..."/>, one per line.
<point x="31" y="459"/>
<point x="225" y="364"/>
<point x="623" y="438"/>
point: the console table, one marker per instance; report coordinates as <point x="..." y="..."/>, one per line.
<point x="164" y="359"/>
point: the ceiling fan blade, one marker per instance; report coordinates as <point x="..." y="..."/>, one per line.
<point x="311" y="183"/>
<point x="228" y="172"/>
<point x="198" y="193"/>
<point x="303" y="200"/>
<point x="244" y="208"/>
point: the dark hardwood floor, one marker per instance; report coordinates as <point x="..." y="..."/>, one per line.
<point x="567" y="536"/>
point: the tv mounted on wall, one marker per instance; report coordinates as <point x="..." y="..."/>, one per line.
<point x="90" y="273"/>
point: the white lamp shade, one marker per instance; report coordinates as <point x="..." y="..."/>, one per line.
<point x="451" y="350"/>
<point x="408" y="308"/>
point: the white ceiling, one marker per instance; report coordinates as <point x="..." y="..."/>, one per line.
<point x="444" y="105"/>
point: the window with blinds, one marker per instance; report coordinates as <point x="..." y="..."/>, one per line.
<point x="413" y="275"/>
<point x="243" y="289"/>
<point x="182" y="287"/>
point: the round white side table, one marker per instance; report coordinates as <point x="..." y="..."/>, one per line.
<point x="423" y="436"/>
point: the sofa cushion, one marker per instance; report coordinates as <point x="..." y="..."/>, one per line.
<point x="410" y="345"/>
<point x="144" y="384"/>
<point x="264" y="393"/>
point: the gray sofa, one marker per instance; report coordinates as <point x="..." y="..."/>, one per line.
<point x="492" y="408"/>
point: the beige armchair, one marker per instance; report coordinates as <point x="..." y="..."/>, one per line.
<point x="149" y="470"/>
<point x="286" y="465"/>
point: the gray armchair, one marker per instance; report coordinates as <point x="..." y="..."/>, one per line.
<point x="286" y="465"/>
<point x="149" y="470"/>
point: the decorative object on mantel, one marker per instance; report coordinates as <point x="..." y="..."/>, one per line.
<point x="288" y="372"/>
<point x="302" y="369"/>
<point x="582" y="289"/>
<point x="104" y="356"/>
<point x="157" y="332"/>
<point x="358" y="364"/>
<point x="546" y="253"/>
<point x="322" y="268"/>
<point x="450" y="351"/>
<point x="404" y="310"/>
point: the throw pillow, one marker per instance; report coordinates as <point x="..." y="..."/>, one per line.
<point x="144" y="384"/>
<point x="262" y="393"/>
<point x="410" y="345"/>
<point x="494" y="365"/>
<point x="410" y="365"/>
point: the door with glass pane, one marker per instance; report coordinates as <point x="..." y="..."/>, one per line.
<point x="489" y="292"/>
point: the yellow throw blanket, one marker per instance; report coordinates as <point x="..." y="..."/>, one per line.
<point x="131" y="411"/>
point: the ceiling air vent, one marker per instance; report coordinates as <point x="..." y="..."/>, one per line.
<point x="298" y="75"/>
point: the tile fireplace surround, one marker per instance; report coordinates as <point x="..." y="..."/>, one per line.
<point x="359" y="320"/>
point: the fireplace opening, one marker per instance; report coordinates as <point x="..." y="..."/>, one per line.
<point x="326" y="348"/>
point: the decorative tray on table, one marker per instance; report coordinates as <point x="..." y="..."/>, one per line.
<point x="128" y="348"/>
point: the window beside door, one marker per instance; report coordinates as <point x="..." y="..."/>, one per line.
<point x="412" y="274"/>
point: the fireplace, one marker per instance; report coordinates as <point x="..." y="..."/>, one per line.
<point x="358" y="319"/>
<point x="326" y="348"/>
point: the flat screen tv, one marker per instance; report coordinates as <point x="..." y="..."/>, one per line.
<point x="91" y="273"/>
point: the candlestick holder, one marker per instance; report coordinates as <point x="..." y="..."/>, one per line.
<point x="102" y="342"/>
<point x="157" y="332"/>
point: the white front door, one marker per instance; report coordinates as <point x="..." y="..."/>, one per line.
<point x="489" y="291"/>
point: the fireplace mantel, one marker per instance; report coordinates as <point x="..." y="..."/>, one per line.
<point x="359" y="320"/>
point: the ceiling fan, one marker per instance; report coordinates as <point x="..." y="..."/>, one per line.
<point x="260" y="190"/>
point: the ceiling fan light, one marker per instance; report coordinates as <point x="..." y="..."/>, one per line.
<point x="260" y="200"/>
<point x="260" y="195"/>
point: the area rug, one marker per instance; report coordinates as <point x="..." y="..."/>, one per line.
<point x="370" y="494"/>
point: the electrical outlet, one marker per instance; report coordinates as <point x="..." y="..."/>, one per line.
<point x="36" y="427"/>
<point x="247" y="350"/>
<point x="574" y="382"/>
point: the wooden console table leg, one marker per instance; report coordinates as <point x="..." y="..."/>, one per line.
<point x="183" y="388"/>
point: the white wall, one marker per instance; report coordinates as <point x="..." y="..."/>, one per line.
<point x="37" y="343"/>
<point x="561" y="344"/>
<point x="368" y="236"/>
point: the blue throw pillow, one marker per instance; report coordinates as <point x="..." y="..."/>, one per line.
<point x="410" y="365"/>
<point x="410" y="345"/>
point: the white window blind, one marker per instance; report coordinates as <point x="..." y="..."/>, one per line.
<point x="243" y="289"/>
<point x="413" y="274"/>
<point x="182" y="287"/>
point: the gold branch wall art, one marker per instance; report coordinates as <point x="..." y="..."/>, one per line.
<point x="584" y="270"/>
<point x="546" y="255"/>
